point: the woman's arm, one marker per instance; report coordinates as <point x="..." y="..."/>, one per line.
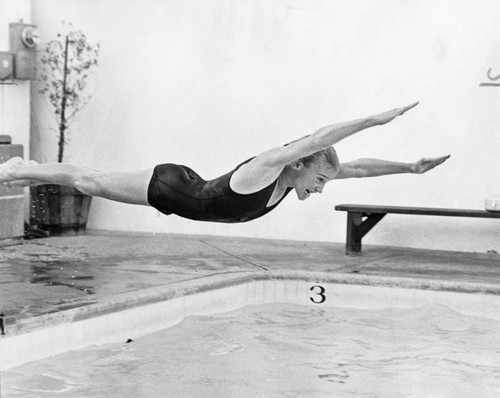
<point x="327" y="136"/>
<point x="268" y="165"/>
<point x="375" y="167"/>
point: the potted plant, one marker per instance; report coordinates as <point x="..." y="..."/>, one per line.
<point x="64" y="65"/>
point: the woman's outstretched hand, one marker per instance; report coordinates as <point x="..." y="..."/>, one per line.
<point x="386" y="117"/>
<point x="426" y="164"/>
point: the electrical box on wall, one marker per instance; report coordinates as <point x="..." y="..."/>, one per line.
<point x="6" y="66"/>
<point x="23" y="41"/>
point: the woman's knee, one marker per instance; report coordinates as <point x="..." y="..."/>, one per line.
<point x="89" y="183"/>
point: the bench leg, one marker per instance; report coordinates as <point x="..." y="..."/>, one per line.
<point x="357" y="229"/>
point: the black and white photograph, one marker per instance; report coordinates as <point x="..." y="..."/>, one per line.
<point x="250" y="198"/>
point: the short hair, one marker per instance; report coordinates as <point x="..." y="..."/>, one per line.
<point x="328" y="156"/>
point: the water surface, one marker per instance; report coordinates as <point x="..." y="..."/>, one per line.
<point x="283" y="350"/>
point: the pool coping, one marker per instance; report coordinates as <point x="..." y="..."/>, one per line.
<point x="41" y="336"/>
<point x="122" y="301"/>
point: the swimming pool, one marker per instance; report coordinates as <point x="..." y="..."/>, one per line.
<point x="280" y="337"/>
<point x="285" y="350"/>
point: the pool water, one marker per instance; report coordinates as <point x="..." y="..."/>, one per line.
<point x="284" y="350"/>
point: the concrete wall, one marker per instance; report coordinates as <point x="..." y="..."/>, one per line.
<point x="14" y="99"/>
<point x="210" y="83"/>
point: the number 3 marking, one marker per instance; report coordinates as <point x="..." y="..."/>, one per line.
<point x="321" y="293"/>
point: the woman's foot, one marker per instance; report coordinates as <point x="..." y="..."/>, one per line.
<point x="8" y="167"/>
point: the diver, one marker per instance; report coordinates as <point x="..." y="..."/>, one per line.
<point x="249" y="191"/>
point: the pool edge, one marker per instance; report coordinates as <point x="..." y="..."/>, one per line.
<point x="26" y="330"/>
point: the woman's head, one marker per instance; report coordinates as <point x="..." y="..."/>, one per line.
<point x="312" y="172"/>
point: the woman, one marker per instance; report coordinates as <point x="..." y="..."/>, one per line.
<point x="251" y="190"/>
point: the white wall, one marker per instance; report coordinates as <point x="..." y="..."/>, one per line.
<point x="14" y="99"/>
<point x="211" y="83"/>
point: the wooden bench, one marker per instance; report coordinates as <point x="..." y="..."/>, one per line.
<point x="362" y="218"/>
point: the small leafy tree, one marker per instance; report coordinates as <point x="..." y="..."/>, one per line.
<point x="64" y="67"/>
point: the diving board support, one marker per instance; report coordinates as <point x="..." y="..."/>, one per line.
<point x="357" y="228"/>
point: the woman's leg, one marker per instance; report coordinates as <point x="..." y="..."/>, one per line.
<point x="121" y="186"/>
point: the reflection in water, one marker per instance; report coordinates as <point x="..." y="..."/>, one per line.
<point x="283" y="350"/>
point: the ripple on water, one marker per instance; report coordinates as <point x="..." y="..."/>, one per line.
<point x="286" y="350"/>
<point x="41" y="385"/>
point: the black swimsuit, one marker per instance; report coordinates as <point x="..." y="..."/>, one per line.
<point x="176" y="189"/>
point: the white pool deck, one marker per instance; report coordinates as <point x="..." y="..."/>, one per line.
<point x="66" y="293"/>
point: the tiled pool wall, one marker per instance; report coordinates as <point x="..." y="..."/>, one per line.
<point x="132" y="315"/>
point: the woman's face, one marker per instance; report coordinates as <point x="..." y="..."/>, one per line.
<point x="312" y="178"/>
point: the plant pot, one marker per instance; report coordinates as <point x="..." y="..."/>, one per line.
<point x="59" y="210"/>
